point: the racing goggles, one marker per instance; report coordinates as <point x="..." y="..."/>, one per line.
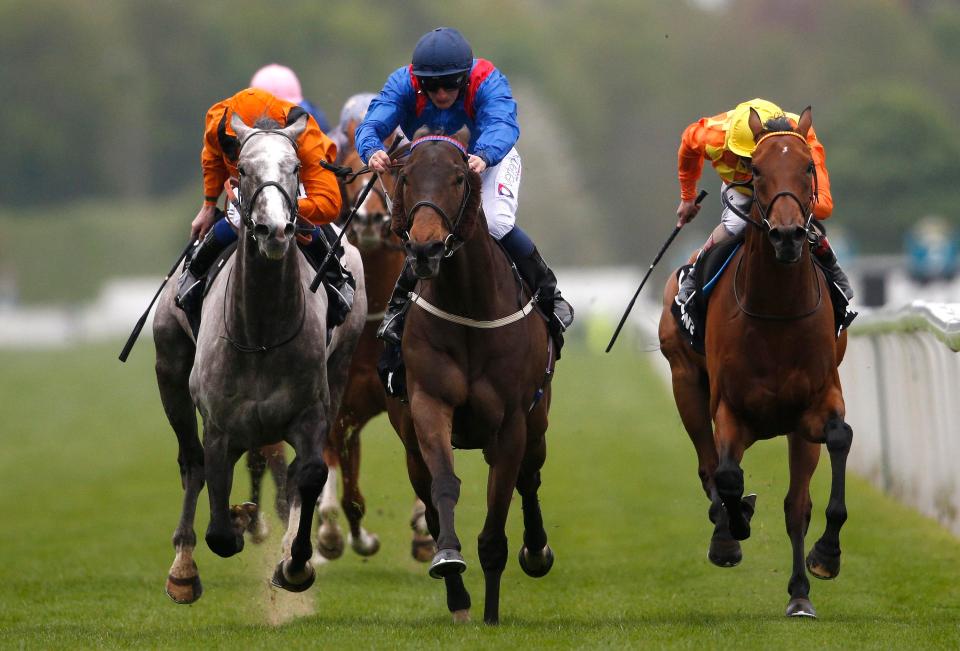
<point x="447" y="82"/>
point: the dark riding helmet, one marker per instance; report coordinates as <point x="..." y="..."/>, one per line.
<point x="442" y="52"/>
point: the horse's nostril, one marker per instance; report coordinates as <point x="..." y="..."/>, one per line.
<point x="261" y="230"/>
<point x="799" y="232"/>
<point x="776" y="235"/>
<point x="289" y="229"/>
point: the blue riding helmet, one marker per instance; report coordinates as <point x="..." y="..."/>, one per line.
<point x="442" y="52"/>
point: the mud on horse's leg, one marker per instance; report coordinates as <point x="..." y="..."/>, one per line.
<point x="824" y="559"/>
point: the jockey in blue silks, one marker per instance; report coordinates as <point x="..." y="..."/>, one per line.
<point x="444" y="89"/>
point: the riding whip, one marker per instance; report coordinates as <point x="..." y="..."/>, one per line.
<point x="623" y="319"/>
<point x="318" y="278"/>
<point x="143" y="319"/>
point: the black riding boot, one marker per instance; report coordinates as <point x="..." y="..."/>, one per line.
<point x="391" y="330"/>
<point x="390" y="368"/>
<point x="338" y="282"/>
<point x="840" y="290"/>
<point x="688" y="286"/>
<point x="193" y="280"/>
<point x="541" y="278"/>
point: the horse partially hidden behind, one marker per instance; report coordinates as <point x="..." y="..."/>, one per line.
<point x="261" y="371"/>
<point x="472" y="382"/>
<point x="364" y="397"/>
<point x="771" y="364"/>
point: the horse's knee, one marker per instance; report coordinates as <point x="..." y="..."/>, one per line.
<point x="312" y="476"/>
<point x="492" y="550"/>
<point x="839" y="436"/>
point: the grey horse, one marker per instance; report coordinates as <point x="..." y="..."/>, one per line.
<point x="260" y="371"/>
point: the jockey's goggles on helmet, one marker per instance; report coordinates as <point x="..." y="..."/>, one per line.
<point x="447" y="82"/>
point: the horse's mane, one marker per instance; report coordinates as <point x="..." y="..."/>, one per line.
<point x="778" y="123"/>
<point x="471" y="213"/>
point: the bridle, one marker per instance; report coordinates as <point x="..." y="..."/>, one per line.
<point x="246" y="206"/>
<point x="764" y="223"/>
<point x="453" y="241"/>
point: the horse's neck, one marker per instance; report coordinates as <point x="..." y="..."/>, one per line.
<point x="770" y="287"/>
<point x="473" y="281"/>
<point x="265" y="295"/>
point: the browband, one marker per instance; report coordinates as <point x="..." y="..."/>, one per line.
<point x="438" y="138"/>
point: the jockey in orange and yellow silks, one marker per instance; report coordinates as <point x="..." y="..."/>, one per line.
<point x="727" y="141"/>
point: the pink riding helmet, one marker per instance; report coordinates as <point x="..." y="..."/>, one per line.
<point x="280" y="81"/>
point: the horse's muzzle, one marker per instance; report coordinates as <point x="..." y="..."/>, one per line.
<point x="425" y="257"/>
<point x="274" y="241"/>
<point x="788" y="242"/>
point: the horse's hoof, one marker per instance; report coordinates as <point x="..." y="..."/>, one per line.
<point x="725" y="551"/>
<point x="296" y="583"/>
<point x="536" y="565"/>
<point x="422" y="548"/>
<point x="184" y="590"/>
<point x="258" y="530"/>
<point x="447" y="562"/>
<point x="461" y="616"/>
<point x="243" y="517"/>
<point x="801" y="607"/>
<point x="821" y="565"/>
<point x="330" y="543"/>
<point x="367" y="544"/>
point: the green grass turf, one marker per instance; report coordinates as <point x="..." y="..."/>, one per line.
<point x="91" y="495"/>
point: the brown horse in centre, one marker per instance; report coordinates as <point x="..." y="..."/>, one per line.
<point x="771" y="363"/>
<point x="475" y="369"/>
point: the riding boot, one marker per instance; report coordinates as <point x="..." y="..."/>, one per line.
<point x="390" y="367"/>
<point x="391" y="330"/>
<point x="338" y="282"/>
<point x="193" y="279"/>
<point x="541" y="278"/>
<point x="688" y="286"/>
<point x="840" y="290"/>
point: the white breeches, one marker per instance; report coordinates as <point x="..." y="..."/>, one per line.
<point x="733" y="224"/>
<point x="499" y="194"/>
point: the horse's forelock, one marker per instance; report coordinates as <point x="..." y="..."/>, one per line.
<point x="266" y="122"/>
<point x="778" y="123"/>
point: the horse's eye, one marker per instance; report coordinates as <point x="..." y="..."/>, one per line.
<point x="754" y="170"/>
<point x="460" y="178"/>
<point x="296" y="169"/>
<point x="240" y="170"/>
<point x="810" y="168"/>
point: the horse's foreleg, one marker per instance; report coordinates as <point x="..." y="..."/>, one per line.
<point x="458" y="599"/>
<point x="295" y="573"/>
<point x="732" y="440"/>
<point x="536" y="557"/>
<point x="796" y="510"/>
<point x="824" y="559"/>
<point x="223" y="537"/>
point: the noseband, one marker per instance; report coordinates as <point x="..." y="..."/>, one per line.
<point x="246" y="207"/>
<point x="453" y="241"/>
<point x="764" y="223"/>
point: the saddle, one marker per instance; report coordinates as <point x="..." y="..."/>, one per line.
<point x="691" y="318"/>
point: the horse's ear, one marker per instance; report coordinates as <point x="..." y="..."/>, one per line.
<point x="462" y="136"/>
<point x="756" y="124"/>
<point x="805" y="122"/>
<point x="239" y="127"/>
<point x="295" y="130"/>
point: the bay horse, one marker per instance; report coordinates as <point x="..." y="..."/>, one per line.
<point x="261" y="370"/>
<point x="364" y="397"/>
<point x="771" y="363"/>
<point x="476" y="378"/>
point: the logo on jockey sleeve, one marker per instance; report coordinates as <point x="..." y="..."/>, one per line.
<point x="504" y="191"/>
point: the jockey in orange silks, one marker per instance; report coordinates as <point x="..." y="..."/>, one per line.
<point x="727" y="141"/>
<point x="318" y="202"/>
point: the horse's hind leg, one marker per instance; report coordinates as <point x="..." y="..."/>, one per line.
<point x="277" y="463"/>
<point x="257" y="465"/>
<point x="330" y="542"/>
<point x="536" y="557"/>
<point x="796" y="509"/>
<point x="354" y="504"/>
<point x="174" y="360"/>
<point x="824" y="559"/>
